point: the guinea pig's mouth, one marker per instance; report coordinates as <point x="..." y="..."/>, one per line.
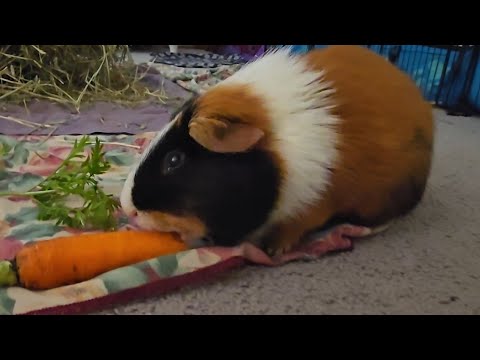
<point x="201" y="242"/>
<point x="190" y="229"/>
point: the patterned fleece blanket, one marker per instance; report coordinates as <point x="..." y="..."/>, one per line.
<point x="195" y="80"/>
<point x="34" y="157"/>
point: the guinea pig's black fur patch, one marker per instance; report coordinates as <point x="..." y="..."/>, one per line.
<point x="231" y="193"/>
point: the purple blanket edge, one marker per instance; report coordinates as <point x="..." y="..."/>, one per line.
<point x="100" y="117"/>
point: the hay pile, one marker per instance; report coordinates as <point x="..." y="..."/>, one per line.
<point x="71" y="74"/>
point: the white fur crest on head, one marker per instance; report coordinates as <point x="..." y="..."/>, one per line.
<point x="303" y="128"/>
<point x="126" y="195"/>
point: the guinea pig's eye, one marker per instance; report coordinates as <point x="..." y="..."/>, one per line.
<point x="173" y="160"/>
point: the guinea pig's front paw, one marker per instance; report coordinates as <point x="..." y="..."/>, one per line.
<point x="282" y="239"/>
<point x="278" y="251"/>
<point x="279" y="248"/>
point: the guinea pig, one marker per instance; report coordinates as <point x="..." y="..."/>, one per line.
<point x="288" y="144"/>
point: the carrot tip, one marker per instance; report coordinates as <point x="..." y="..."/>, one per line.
<point x="8" y="276"/>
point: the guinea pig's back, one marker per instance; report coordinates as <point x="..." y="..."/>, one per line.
<point x="371" y="93"/>
<point x="385" y="134"/>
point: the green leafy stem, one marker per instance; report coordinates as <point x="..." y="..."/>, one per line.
<point x="76" y="177"/>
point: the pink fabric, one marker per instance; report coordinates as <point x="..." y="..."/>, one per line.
<point x="337" y="239"/>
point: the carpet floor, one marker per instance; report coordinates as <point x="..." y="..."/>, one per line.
<point x="427" y="263"/>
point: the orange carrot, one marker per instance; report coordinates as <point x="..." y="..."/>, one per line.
<point x="68" y="260"/>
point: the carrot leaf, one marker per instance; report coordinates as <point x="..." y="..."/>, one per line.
<point x="76" y="181"/>
<point x="78" y="176"/>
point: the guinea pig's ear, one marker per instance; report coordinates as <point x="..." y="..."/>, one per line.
<point x="224" y="136"/>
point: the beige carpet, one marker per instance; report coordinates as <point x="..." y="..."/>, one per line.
<point x="428" y="263"/>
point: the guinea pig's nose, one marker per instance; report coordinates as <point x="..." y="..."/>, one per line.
<point x="131" y="212"/>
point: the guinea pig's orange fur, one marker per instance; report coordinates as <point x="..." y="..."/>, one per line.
<point x="386" y="128"/>
<point x="189" y="228"/>
<point x="384" y="144"/>
<point x="240" y="102"/>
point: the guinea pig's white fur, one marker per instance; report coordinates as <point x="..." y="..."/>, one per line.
<point x="303" y="129"/>
<point x="126" y="195"/>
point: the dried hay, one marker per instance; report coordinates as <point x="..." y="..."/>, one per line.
<point x="71" y="75"/>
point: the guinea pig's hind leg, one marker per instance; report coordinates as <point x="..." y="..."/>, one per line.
<point x="335" y="240"/>
<point x="288" y="235"/>
<point x="338" y="239"/>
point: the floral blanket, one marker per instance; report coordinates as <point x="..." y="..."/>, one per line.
<point x="31" y="158"/>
